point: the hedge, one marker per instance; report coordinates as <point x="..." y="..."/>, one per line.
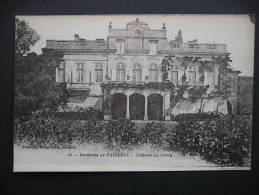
<point x="225" y="140"/>
<point x="197" y="116"/>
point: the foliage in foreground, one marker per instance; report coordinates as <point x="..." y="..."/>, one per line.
<point x="224" y="140"/>
<point x="46" y="128"/>
<point x="197" y="116"/>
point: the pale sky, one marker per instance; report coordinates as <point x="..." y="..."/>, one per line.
<point x="235" y="30"/>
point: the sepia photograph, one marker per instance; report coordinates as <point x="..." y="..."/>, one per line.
<point x="133" y="92"/>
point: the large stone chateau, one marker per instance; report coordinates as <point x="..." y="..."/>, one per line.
<point x="138" y="73"/>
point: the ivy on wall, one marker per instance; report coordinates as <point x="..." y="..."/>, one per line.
<point x="150" y="85"/>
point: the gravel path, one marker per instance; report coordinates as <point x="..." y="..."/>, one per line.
<point x="95" y="158"/>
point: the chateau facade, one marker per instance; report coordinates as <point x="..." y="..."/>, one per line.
<point x="138" y="73"/>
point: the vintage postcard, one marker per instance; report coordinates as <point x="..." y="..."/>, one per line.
<point x="133" y="92"/>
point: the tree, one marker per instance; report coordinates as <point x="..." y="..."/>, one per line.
<point x="35" y="84"/>
<point x="25" y="37"/>
<point x="204" y="66"/>
<point x="185" y="62"/>
<point x="223" y="65"/>
<point x="165" y="66"/>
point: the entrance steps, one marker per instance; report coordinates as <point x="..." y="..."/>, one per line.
<point x="90" y="101"/>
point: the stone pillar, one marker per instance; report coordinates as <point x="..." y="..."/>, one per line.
<point x="146" y="115"/>
<point x="167" y="113"/>
<point x="127" y="111"/>
<point x="106" y="105"/>
<point x="57" y="79"/>
<point x="163" y="114"/>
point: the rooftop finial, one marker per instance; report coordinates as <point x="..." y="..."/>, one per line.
<point x="163" y="26"/>
<point x="110" y="24"/>
<point x="179" y="36"/>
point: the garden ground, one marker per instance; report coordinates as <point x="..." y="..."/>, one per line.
<point x="84" y="158"/>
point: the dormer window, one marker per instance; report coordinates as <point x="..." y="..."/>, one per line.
<point x="120" y="46"/>
<point x="153" y="47"/>
<point x="175" y="46"/>
<point x="193" y="46"/>
<point x="213" y="46"/>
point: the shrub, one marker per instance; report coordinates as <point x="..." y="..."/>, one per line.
<point x="224" y="140"/>
<point x="152" y="133"/>
<point x="81" y="114"/>
<point x="120" y="133"/>
<point x="186" y="136"/>
<point x="44" y="129"/>
<point x="197" y="116"/>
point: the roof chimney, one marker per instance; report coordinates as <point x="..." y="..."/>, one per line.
<point x="163" y="26"/>
<point x="76" y="37"/>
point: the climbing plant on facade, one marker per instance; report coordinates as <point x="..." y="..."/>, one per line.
<point x="165" y="67"/>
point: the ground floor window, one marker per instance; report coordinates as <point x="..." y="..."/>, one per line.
<point x="192" y="77"/>
<point x="174" y="77"/>
<point x="120" y="72"/>
<point x="98" y="73"/>
<point x="80" y="72"/>
<point x="61" y="72"/>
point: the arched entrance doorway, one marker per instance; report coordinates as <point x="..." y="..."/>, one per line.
<point x="155" y="107"/>
<point x="137" y="106"/>
<point x="118" y="105"/>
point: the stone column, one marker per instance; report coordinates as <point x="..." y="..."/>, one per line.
<point x="167" y="110"/>
<point x="107" y="105"/>
<point x="127" y="109"/>
<point x="57" y="79"/>
<point x="163" y="114"/>
<point x="146" y="115"/>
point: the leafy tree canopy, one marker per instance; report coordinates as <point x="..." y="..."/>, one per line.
<point x="25" y="37"/>
<point x="35" y="84"/>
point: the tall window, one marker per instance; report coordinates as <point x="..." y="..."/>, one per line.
<point x="120" y="72"/>
<point x="192" y="75"/>
<point x="99" y="73"/>
<point x="136" y="73"/>
<point x="174" y="77"/>
<point x="80" y="72"/>
<point x="153" y="73"/>
<point x="174" y="74"/>
<point x="61" y="72"/>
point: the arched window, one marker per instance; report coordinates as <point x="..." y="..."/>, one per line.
<point x="136" y="73"/>
<point x="153" y="72"/>
<point x="120" y="72"/>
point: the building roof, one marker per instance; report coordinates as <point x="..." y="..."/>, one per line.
<point x="176" y="46"/>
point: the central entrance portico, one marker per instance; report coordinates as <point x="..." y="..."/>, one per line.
<point x="136" y="104"/>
